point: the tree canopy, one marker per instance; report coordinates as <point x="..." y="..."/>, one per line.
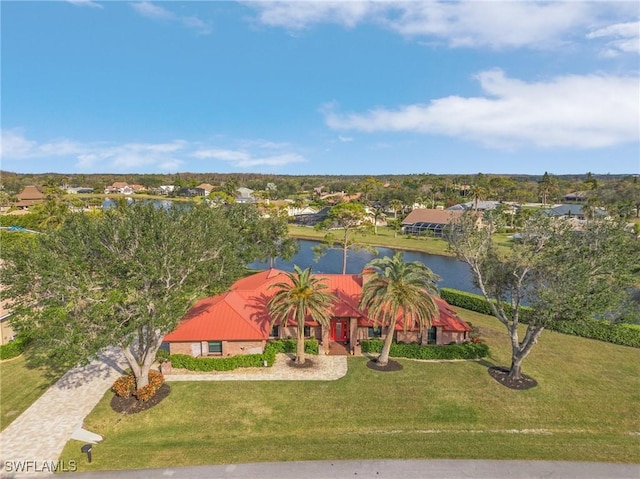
<point x="563" y="273"/>
<point x="124" y="277"/>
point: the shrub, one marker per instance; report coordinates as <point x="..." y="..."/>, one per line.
<point x="602" y="330"/>
<point x="14" y="348"/>
<point x="156" y="379"/>
<point x="184" y="361"/>
<point x="124" y="386"/>
<point x="417" y="351"/>
<point x="162" y="355"/>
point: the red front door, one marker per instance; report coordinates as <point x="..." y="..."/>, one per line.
<point x="339" y="330"/>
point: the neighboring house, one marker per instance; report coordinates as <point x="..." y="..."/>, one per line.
<point x="244" y="195"/>
<point x="190" y="192"/>
<point x="138" y="188"/>
<point x="29" y="196"/>
<point x="311" y="219"/>
<point x="238" y="321"/>
<point x="119" y="187"/>
<point x="207" y="188"/>
<point x="574" y="211"/>
<point x="74" y="190"/>
<point x="165" y="189"/>
<point x="483" y="205"/>
<point x="430" y="221"/>
<point x="576" y="196"/>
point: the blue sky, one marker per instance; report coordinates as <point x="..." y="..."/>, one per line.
<point x="321" y="88"/>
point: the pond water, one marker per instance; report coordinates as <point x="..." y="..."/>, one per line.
<point x="454" y="273"/>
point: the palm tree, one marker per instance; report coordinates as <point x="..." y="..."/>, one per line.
<point x="300" y="297"/>
<point x="399" y="289"/>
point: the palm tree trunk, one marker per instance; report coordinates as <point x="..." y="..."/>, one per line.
<point x="383" y="359"/>
<point x="300" y="359"/>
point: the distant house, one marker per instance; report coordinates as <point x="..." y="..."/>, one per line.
<point x="576" y="196"/>
<point x="119" y="187"/>
<point x="190" y="192"/>
<point x="482" y="205"/>
<point x="311" y="219"/>
<point x="574" y="211"/>
<point x="238" y="321"/>
<point x="430" y="221"/>
<point x="244" y="195"/>
<point x="29" y="196"/>
<point x="165" y="189"/>
<point x="207" y="188"/>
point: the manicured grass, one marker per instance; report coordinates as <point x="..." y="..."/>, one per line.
<point x="585" y="408"/>
<point x="20" y="386"/>
<point x="385" y="237"/>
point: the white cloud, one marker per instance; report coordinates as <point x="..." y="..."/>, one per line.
<point x="496" y="24"/>
<point x="156" y="12"/>
<point x="245" y="159"/>
<point x="137" y="157"/>
<point x="85" y="3"/>
<point x="571" y="111"/>
<point x="622" y="38"/>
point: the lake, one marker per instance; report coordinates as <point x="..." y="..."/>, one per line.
<point x="454" y="273"/>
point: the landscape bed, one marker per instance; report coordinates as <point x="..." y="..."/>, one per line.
<point x="585" y="408"/>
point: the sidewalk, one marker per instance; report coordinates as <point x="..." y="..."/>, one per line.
<point x="41" y="432"/>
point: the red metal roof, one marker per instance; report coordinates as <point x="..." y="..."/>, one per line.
<point x="241" y="313"/>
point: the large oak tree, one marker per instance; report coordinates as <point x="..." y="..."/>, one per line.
<point x="125" y="277"/>
<point x="560" y="272"/>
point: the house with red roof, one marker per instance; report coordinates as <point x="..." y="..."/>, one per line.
<point x="238" y="321"/>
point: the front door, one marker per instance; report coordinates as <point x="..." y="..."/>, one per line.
<point x="339" y="330"/>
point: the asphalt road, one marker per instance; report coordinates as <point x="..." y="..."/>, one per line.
<point x="396" y="469"/>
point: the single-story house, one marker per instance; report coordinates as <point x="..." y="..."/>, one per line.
<point x="244" y="195"/>
<point x="573" y="211"/>
<point x="29" y="196"/>
<point x="430" y="221"/>
<point x="238" y="321"/>
<point x="206" y="187"/>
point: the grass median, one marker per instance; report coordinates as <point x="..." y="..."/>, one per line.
<point x="585" y="408"/>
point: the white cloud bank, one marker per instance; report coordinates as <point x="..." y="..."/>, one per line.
<point x="571" y="111"/>
<point x="156" y="12"/>
<point x="495" y="24"/>
<point x="142" y="157"/>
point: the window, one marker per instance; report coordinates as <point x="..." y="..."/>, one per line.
<point x="375" y="332"/>
<point x="307" y="331"/>
<point x="215" y="347"/>
<point x="275" y="332"/>
<point x="431" y="336"/>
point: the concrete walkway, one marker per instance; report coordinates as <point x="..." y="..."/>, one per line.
<point x="41" y="432"/>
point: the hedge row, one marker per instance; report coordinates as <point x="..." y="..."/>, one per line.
<point x="13" y="349"/>
<point x="417" y="351"/>
<point x="184" y="361"/>
<point x="602" y="330"/>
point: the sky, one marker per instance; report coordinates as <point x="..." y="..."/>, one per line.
<point x="340" y="88"/>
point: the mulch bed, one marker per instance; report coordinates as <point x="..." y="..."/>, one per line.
<point x="390" y="366"/>
<point x="501" y="375"/>
<point x="308" y="363"/>
<point x="131" y="405"/>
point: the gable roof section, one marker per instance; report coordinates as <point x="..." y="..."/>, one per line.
<point x="225" y="317"/>
<point x="425" y="215"/>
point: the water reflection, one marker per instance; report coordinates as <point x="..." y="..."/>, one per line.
<point x="454" y="273"/>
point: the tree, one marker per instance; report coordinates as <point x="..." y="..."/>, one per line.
<point x="399" y="289"/>
<point x="564" y="275"/>
<point x="378" y="214"/>
<point x="124" y="277"/>
<point x="346" y="216"/>
<point x="395" y="205"/>
<point x="302" y="296"/>
<point x="51" y="213"/>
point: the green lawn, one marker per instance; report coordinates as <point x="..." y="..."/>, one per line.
<point x="386" y="237"/>
<point x="585" y="408"/>
<point x="20" y="386"/>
